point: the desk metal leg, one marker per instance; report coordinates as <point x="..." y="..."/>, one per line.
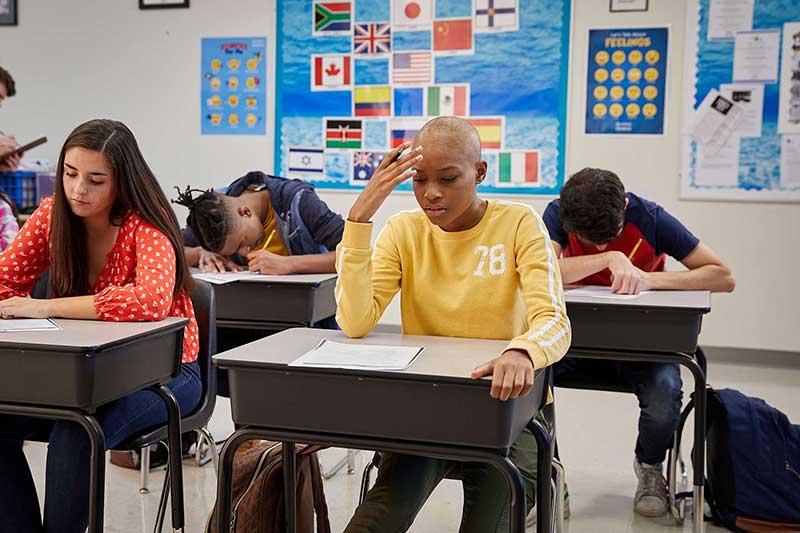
<point x="225" y="522"/>
<point x="175" y="454"/>
<point x="544" y="469"/>
<point x="289" y="482"/>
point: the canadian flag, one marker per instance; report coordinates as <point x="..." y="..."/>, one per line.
<point x="407" y="14"/>
<point x="330" y="72"/>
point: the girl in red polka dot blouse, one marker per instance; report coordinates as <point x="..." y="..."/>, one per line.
<point x="115" y="253"/>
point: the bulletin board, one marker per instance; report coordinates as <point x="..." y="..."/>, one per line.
<point x="762" y="163"/>
<point x="356" y="78"/>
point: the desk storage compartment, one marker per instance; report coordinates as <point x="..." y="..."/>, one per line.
<point x="238" y="304"/>
<point x="400" y="409"/>
<point x="632" y="328"/>
<point x="77" y="379"/>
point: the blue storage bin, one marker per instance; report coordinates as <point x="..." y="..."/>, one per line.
<point x="21" y="188"/>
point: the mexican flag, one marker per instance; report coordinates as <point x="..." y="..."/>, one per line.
<point x="448" y="100"/>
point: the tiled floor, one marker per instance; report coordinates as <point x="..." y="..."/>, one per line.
<point x="596" y="437"/>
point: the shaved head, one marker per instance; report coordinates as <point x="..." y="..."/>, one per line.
<point x="455" y="134"/>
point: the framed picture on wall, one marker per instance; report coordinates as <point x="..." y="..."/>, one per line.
<point x="161" y="4"/>
<point x="622" y="6"/>
<point x="8" y="12"/>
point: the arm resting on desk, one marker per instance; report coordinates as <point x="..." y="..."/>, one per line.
<point x="323" y="263"/>
<point x="706" y="271"/>
<point x="367" y="282"/>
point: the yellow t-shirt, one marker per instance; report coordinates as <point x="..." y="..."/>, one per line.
<point x="275" y="243"/>
<point x="497" y="280"/>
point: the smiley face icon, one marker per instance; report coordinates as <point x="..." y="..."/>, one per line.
<point x="251" y="101"/>
<point x="634" y="75"/>
<point x="215" y="101"/>
<point x="252" y="63"/>
<point x="600" y="92"/>
<point x="633" y="92"/>
<point x="251" y="119"/>
<point x="215" y="119"/>
<point x="618" y="57"/>
<point x="233" y="100"/>
<point x="650" y="92"/>
<point x="251" y="82"/>
<point x="600" y="75"/>
<point x="617" y="92"/>
<point x="651" y="74"/>
<point x="601" y="57"/>
<point x="635" y="57"/>
<point x="233" y="119"/>
<point x="234" y="63"/>
<point x="632" y="110"/>
<point x="649" y="110"/>
<point x="617" y="75"/>
<point x="233" y="82"/>
<point x="615" y="110"/>
<point x="652" y="57"/>
<point x="216" y="64"/>
<point x="599" y="110"/>
<point x="216" y="83"/>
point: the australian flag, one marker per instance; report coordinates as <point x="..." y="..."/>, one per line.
<point x="364" y="166"/>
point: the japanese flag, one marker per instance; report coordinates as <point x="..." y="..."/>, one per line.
<point x="407" y="14"/>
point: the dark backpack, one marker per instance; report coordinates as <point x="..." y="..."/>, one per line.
<point x="753" y="474"/>
<point x="258" y="497"/>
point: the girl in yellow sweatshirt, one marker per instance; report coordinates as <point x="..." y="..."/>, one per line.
<point x="465" y="267"/>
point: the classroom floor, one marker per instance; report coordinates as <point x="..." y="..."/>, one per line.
<point x="596" y="438"/>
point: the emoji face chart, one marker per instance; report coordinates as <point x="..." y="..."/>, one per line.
<point x="233" y="79"/>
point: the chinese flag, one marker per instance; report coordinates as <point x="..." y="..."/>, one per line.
<point x="452" y="35"/>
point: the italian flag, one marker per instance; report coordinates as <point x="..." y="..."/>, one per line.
<point x="518" y="167"/>
<point x="447" y="100"/>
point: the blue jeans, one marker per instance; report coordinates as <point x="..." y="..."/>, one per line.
<point x="658" y="387"/>
<point x="66" y="507"/>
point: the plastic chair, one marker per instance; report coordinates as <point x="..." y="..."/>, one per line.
<point x="204" y="308"/>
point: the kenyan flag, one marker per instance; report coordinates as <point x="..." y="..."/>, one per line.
<point x="332" y="17"/>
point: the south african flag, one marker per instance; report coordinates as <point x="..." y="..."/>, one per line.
<point x="332" y="17"/>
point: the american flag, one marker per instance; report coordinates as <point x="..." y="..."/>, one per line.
<point x="412" y="67"/>
<point x="372" y="39"/>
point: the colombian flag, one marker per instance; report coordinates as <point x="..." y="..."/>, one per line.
<point x="373" y="101"/>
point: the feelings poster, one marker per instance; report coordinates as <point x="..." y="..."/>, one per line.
<point x="233" y="98"/>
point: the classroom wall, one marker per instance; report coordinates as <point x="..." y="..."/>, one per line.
<point x="78" y="59"/>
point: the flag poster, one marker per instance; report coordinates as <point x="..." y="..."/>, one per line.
<point x="358" y="78"/>
<point x="626" y="80"/>
<point x="233" y="96"/>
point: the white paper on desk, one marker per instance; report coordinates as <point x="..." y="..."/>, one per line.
<point x="595" y="291"/>
<point x="726" y="17"/>
<point x="8" y="325"/>
<point x="332" y="354"/>
<point x="749" y="97"/>
<point x="755" y="55"/>
<point x="790" y="160"/>
<point x="720" y="167"/>
<point x="714" y="121"/>
<point x="221" y="278"/>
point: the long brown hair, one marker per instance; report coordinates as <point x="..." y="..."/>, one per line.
<point x="138" y="192"/>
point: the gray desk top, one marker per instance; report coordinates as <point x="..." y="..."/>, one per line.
<point x="290" y="279"/>
<point x="77" y="335"/>
<point x="448" y="357"/>
<point x="697" y="300"/>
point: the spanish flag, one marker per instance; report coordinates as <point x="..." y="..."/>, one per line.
<point x="490" y="130"/>
<point x="372" y="101"/>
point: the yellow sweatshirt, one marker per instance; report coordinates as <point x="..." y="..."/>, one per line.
<point x="498" y="280"/>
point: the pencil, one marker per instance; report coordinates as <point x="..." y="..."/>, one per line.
<point x="268" y="240"/>
<point x="638" y="243"/>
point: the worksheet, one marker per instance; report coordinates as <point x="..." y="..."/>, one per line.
<point x="594" y="291"/>
<point x="332" y="354"/>
<point x="8" y="325"/>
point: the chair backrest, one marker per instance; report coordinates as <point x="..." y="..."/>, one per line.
<point x="204" y="303"/>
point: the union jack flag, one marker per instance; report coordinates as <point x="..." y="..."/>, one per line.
<point x="372" y="38"/>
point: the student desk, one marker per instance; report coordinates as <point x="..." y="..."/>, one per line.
<point x="67" y="374"/>
<point x="275" y="302"/>
<point x="432" y="408"/>
<point x="659" y="327"/>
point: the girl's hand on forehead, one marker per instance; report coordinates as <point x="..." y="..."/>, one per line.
<point x="393" y="170"/>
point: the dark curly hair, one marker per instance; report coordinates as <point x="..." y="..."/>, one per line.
<point x="7" y="80"/>
<point x="209" y="218"/>
<point x="593" y="205"/>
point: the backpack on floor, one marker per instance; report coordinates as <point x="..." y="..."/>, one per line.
<point x="257" y="504"/>
<point x="753" y="474"/>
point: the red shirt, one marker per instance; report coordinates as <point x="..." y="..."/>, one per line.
<point x="135" y="284"/>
